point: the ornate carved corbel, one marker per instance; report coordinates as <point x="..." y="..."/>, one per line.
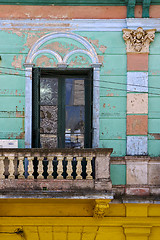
<point x="100" y="208"/>
<point x="138" y="41"/>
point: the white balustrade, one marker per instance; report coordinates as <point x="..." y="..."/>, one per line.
<point x="69" y="164"/>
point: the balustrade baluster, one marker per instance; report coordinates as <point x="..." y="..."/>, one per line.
<point x="2" y="169"/>
<point x="50" y="167"/>
<point x="11" y="168"/>
<point x="60" y="167"/>
<point x="69" y="167"/>
<point x="40" y="167"/>
<point x="21" y="167"/>
<point x="79" y="167"/>
<point x="30" y="167"/>
<point x="88" y="168"/>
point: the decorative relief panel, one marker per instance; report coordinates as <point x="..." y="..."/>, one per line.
<point x="137" y="41"/>
<point x="100" y="208"/>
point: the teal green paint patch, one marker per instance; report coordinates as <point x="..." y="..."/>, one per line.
<point x="155" y="45"/>
<point x="112" y="129"/>
<point x="79" y="60"/>
<point x="11" y="82"/>
<point x="114" y="65"/>
<point x="106" y="42"/>
<point x="12" y="135"/>
<point x="11" y="92"/>
<point x="21" y="143"/>
<point x="154" y="107"/>
<point x="10" y="125"/>
<point x="113" y="86"/>
<point x="11" y="114"/>
<point x="12" y="103"/>
<point x="118" y="174"/>
<point x="12" y="41"/>
<point x="153" y="65"/>
<point x="153" y="86"/>
<point x="154" y="125"/>
<point x="15" y="64"/>
<point x="119" y="146"/>
<point x="154" y="148"/>
<point x="113" y="107"/>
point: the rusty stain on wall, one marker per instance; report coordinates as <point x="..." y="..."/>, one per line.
<point x="21" y="135"/>
<point x="156" y="136"/>
<point x="45" y="61"/>
<point x="32" y="37"/>
<point x="61" y="48"/>
<point x="95" y="42"/>
<point x="79" y="60"/>
<point x="101" y="59"/>
<point x="17" y="63"/>
<point x="16" y="92"/>
<point x="102" y="48"/>
<point x="109" y="94"/>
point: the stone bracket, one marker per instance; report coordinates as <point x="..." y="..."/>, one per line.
<point x="101" y="205"/>
<point x="137" y="231"/>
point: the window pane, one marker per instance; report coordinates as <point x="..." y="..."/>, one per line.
<point x="48" y="91"/>
<point x="74" y="113"/>
<point x="48" y="112"/>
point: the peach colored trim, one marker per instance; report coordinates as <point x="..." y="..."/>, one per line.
<point x="137" y="62"/>
<point x="154" y="11"/>
<point x="63" y="12"/>
<point x="137" y="124"/>
<point x="138" y="11"/>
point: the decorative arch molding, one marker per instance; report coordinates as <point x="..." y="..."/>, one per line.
<point x="52" y="53"/>
<point x="61" y="62"/>
<point x="35" y="48"/>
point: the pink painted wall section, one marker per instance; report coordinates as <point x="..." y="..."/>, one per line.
<point x="137" y="124"/>
<point x="137" y="62"/>
<point x="154" y="11"/>
<point x="63" y="12"/>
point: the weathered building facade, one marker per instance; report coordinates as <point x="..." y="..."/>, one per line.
<point x="82" y="75"/>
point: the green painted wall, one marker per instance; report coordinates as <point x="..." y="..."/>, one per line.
<point x="111" y="50"/>
<point x="118" y="174"/>
<point x="154" y="98"/>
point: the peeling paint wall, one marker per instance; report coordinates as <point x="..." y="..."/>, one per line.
<point x="154" y="98"/>
<point x="15" y="45"/>
<point x="16" y="41"/>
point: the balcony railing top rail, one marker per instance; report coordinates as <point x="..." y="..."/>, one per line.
<point x="36" y="152"/>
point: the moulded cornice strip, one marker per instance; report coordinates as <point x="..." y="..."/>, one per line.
<point x="146" y="23"/>
<point x="72" y="25"/>
<point x="81" y="24"/>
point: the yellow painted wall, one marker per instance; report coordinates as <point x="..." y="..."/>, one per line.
<point x="58" y="219"/>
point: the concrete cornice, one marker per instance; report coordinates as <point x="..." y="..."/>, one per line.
<point x="94" y="25"/>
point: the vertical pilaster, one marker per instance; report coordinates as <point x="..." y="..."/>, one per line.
<point x="96" y="78"/>
<point x="28" y="103"/>
<point x="137" y="46"/>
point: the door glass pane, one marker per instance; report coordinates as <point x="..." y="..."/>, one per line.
<point x="74" y="113"/>
<point x="48" y="112"/>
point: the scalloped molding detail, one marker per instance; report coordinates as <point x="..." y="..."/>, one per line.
<point x="34" y="50"/>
